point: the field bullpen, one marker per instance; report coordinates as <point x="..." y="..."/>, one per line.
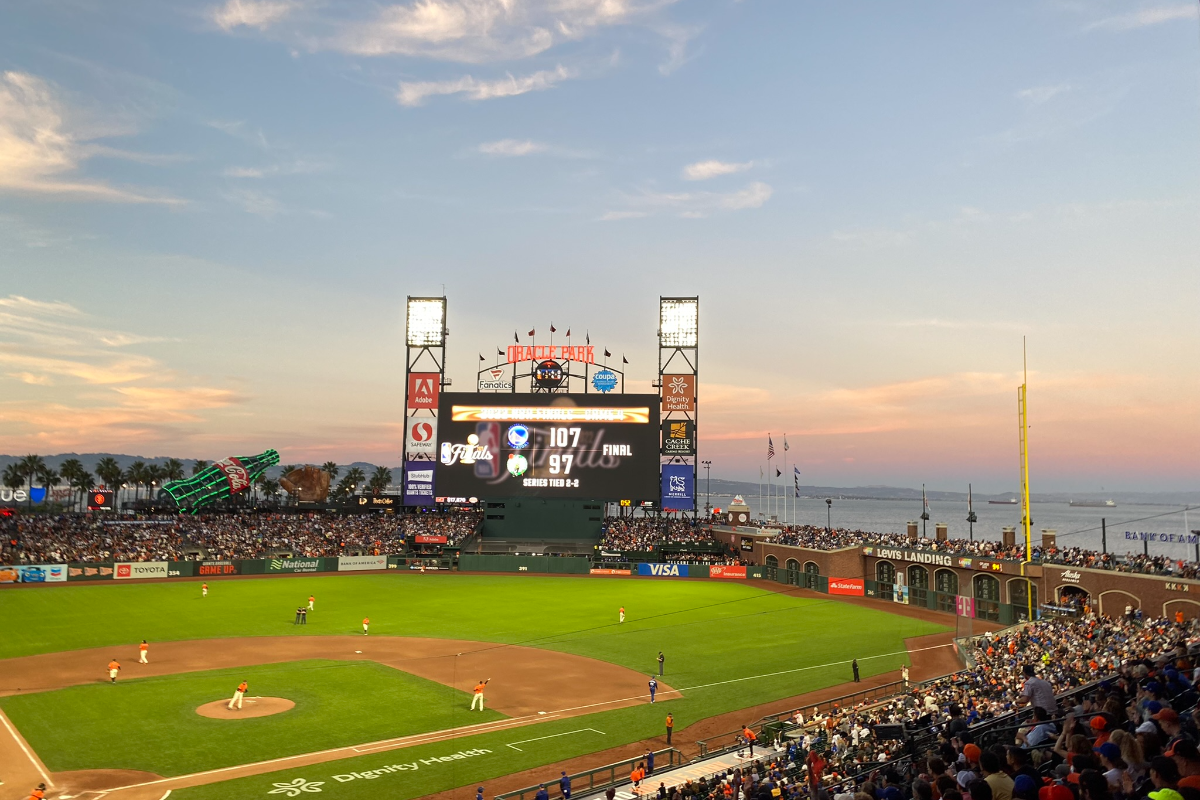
<point x="390" y="711"/>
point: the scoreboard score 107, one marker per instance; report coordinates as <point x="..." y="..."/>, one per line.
<point x="591" y="447"/>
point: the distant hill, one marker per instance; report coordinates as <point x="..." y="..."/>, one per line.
<point x="89" y="463"/>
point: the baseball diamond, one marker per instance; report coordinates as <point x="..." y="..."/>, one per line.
<point x="393" y="709"/>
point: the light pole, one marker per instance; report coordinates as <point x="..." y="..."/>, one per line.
<point x="707" y="487"/>
<point x="828" y="513"/>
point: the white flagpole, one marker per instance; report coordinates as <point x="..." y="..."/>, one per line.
<point x="770" y="486"/>
<point x="785" y="449"/>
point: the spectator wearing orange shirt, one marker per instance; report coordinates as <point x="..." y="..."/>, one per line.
<point x="750" y="738"/>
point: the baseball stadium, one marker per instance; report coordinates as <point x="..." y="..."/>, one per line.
<point x="543" y="608"/>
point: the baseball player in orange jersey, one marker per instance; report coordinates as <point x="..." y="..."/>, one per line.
<point x="479" y="687"/>
<point x="38" y="793"/>
<point x="621" y="613"/>
<point x="204" y="590"/>
<point x="143" y="648"/>
<point x="238" y="694"/>
<point x="366" y="622"/>
<point x="311" y="599"/>
<point x="113" y="668"/>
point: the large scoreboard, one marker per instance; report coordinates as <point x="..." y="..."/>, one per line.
<point x="578" y="446"/>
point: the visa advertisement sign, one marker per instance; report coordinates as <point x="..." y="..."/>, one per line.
<point x="663" y="570"/>
<point x="678" y="487"/>
<point x="418" y="483"/>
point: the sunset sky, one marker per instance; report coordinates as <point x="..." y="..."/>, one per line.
<point x="211" y="215"/>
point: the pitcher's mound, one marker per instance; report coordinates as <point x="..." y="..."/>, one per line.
<point x="252" y="707"/>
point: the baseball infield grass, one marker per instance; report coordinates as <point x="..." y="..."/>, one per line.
<point x="151" y="724"/>
<point x="729" y="645"/>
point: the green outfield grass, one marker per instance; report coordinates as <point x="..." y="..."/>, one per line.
<point x="151" y="724"/>
<point x="729" y="645"/>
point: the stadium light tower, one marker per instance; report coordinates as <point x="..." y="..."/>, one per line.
<point x="424" y="377"/>
<point x="707" y="487"/>
<point x="678" y="378"/>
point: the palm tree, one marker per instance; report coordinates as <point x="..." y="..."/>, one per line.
<point x="30" y="466"/>
<point x="332" y="468"/>
<point x="84" y="483"/>
<point x="70" y="470"/>
<point x="199" y="467"/>
<point x="109" y="472"/>
<point x="136" y="474"/>
<point x="380" y="479"/>
<point x="172" y="470"/>
<point x="48" y="477"/>
<point x="270" y="488"/>
<point x="344" y="487"/>
<point x="355" y="478"/>
<point x="12" y="477"/>
<point x="154" y="477"/>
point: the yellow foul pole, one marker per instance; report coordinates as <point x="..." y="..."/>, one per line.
<point x="1026" y="517"/>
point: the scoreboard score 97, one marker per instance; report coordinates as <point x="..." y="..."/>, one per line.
<point x="577" y="446"/>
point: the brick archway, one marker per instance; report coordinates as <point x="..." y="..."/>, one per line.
<point x="1113" y="602"/>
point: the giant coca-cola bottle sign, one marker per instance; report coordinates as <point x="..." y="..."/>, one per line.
<point x="235" y="473"/>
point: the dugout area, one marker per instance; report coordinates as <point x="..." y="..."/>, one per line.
<point x="568" y="678"/>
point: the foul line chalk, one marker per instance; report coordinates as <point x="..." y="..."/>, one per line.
<point x="21" y="743"/>
<point x="513" y="745"/>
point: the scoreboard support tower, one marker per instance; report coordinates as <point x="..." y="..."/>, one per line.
<point x="678" y="377"/>
<point x="424" y="373"/>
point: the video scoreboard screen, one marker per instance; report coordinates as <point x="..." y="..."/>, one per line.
<point x="580" y="446"/>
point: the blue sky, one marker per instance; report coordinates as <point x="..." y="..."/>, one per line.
<point x="211" y="213"/>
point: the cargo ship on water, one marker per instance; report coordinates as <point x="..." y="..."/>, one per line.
<point x="1012" y="501"/>
<point x="1093" y="504"/>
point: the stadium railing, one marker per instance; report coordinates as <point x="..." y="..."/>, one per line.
<point x="603" y="777"/>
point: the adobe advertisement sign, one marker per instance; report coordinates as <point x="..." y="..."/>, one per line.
<point x="853" y="587"/>
<point x="418" y="483"/>
<point x="421" y="436"/>
<point x="423" y="389"/>
<point x="678" y="489"/>
<point x="678" y="393"/>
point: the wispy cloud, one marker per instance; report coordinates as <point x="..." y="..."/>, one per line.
<point x="415" y="93"/>
<point x="260" y="14"/>
<point x="691" y="204"/>
<point x="512" y="147"/>
<point x="1040" y="94"/>
<point x="41" y="151"/>
<point x="1145" y="17"/>
<point x="703" y="170"/>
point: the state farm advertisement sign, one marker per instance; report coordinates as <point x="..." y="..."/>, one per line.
<point x="140" y="569"/>
<point x="726" y="571"/>
<point x="848" y="586"/>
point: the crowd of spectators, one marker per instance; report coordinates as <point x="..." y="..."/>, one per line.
<point x="93" y="537"/>
<point x="1131" y="736"/>
<point x="819" y="538"/>
<point x="646" y="533"/>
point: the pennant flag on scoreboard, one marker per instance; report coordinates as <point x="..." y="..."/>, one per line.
<point x="481" y="356"/>
<point x="624" y="360"/>
<point x="516" y="339"/>
<point x="607" y="354"/>
<point x="587" y="337"/>
<point x="796" y="479"/>
<point x="499" y="352"/>
<point x="785" y="444"/>
<point x="770" y="448"/>
<point x="532" y="332"/>
<point x="568" y="333"/>
<point x="552" y="328"/>
<point x="778" y="473"/>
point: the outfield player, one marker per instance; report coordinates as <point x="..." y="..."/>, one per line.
<point x="143" y="649"/>
<point x="479" y="687"/>
<point x="238" y="694"/>
<point x="653" y="688"/>
<point x="204" y="590"/>
<point x="311" y="600"/>
<point x="621" y="614"/>
<point x="113" y="668"/>
<point x="366" y="622"/>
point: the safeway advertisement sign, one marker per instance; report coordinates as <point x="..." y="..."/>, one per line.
<point x="422" y="436"/>
<point x="849" y="586"/>
<point x="726" y="571"/>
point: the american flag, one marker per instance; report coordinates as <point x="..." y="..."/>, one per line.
<point x="770" y="448"/>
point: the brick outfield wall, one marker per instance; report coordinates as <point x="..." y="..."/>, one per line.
<point x="1110" y="591"/>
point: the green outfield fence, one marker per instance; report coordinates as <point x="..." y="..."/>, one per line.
<point x="602" y="777"/>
